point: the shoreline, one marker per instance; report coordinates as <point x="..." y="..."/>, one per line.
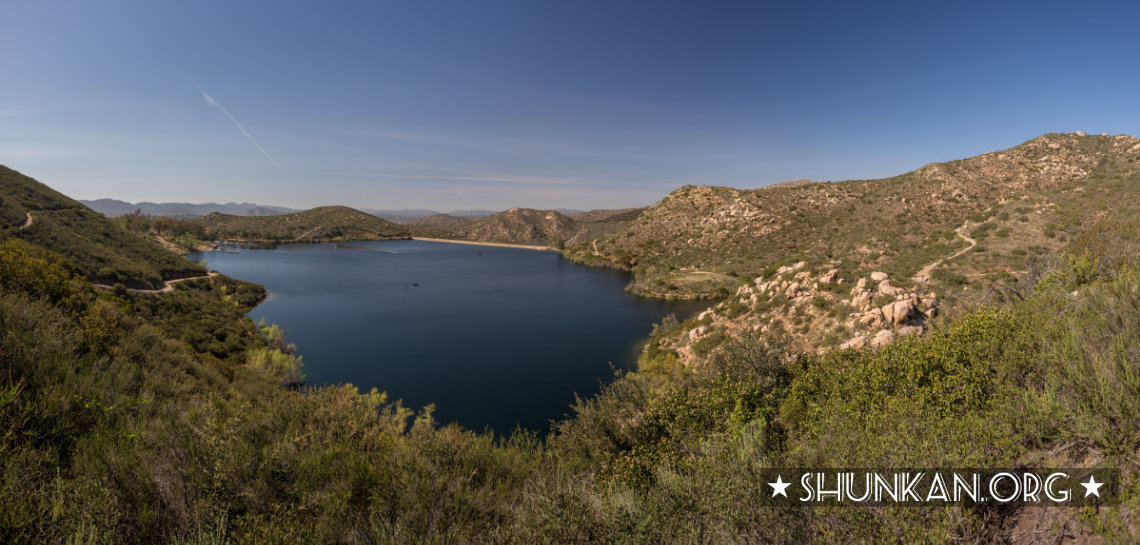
<point x="498" y="244"/>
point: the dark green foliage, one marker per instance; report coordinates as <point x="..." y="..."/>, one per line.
<point x="97" y="247"/>
<point x="317" y="224"/>
<point x="982" y="230"/>
<point x="709" y="342"/>
<point x="112" y="431"/>
<point x="41" y="274"/>
<point x="137" y="418"/>
<point x="207" y="314"/>
<point x="647" y="463"/>
<point x="948" y="278"/>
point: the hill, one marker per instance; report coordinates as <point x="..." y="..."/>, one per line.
<point x="99" y="248"/>
<point x="325" y="223"/>
<point x="699" y="239"/>
<point x="621" y="214"/>
<point x="434" y="220"/>
<point x="114" y="208"/>
<point x="515" y="226"/>
<point x="133" y="417"/>
<point x="866" y="263"/>
<point x="410" y="214"/>
<point x="528" y="226"/>
<point x="137" y="417"/>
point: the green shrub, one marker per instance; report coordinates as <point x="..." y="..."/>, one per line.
<point x="948" y="278"/>
<point x="982" y="230"/>
<point x="709" y="342"/>
<point x="285" y="368"/>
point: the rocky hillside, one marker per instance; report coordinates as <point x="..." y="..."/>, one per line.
<point x="619" y="214"/>
<point x="813" y="310"/>
<point x="161" y="417"/>
<point x="323" y="223"/>
<point x="827" y="266"/>
<point x="519" y="226"/>
<point x="699" y="239"/>
<point x="529" y="226"/>
<point x="434" y="220"/>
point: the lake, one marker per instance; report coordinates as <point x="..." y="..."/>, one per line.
<point x="494" y="337"/>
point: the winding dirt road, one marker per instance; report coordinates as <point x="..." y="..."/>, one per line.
<point x="307" y="233"/>
<point x="167" y="288"/>
<point x="923" y="275"/>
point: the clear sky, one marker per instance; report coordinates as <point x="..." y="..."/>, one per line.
<point x="539" y="103"/>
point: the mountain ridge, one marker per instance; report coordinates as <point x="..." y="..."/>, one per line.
<point x="163" y="416"/>
<point x="100" y="249"/>
<point x="114" y="208"/>
<point x="320" y="224"/>
<point x="528" y="226"/>
<point x="838" y="265"/>
<point x="890" y="222"/>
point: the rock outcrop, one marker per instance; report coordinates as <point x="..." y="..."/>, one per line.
<point x="820" y="314"/>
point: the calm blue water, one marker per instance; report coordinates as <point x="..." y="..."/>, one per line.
<point x="494" y="337"/>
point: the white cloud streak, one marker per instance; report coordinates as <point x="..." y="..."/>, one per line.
<point x="210" y="100"/>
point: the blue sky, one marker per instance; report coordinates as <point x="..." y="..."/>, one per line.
<point x="577" y="104"/>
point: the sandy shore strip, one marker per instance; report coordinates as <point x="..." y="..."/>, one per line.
<point x="500" y="244"/>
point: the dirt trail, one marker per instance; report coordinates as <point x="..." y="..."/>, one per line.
<point x="307" y="233"/>
<point x="923" y="275"/>
<point x="167" y="288"/>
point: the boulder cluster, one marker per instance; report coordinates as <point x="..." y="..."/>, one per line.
<point x="871" y="323"/>
<point x="817" y="305"/>
<point x="879" y="325"/>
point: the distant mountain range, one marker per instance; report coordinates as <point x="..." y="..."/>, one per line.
<point x="113" y="208"/>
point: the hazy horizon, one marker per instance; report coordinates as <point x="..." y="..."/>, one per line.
<point x="494" y="105"/>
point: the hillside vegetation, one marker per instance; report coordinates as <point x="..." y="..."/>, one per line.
<point x="130" y="417"/>
<point x="434" y="220"/>
<point x="322" y="224"/>
<point x="325" y="223"/>
<point x="98" y="248"/>
<point x="1030" y="198"/>
<point x="528" y="226"/>
<point x="866" y="263"/>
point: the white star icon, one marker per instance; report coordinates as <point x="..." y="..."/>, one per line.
<point x="1092" y="487"/>
<point x="779" y="488"/>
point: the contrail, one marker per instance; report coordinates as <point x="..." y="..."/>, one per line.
<point x="210" y="100"/>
